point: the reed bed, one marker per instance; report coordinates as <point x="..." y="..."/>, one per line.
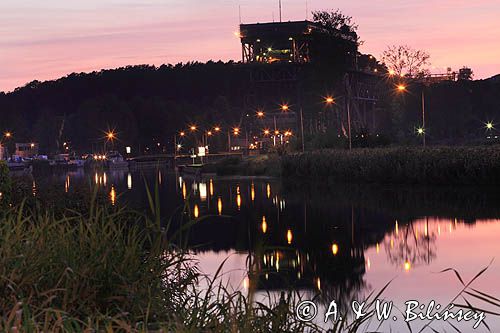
<point x="116" y="270"/>
<point x="436" y="165"/>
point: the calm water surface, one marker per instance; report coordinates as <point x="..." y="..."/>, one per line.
<point x="340" y="242"/>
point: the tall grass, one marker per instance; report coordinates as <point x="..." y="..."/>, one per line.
<point x="5" y="184"/>
<point x="116" y="270"/>
<point x="437" y="165"/>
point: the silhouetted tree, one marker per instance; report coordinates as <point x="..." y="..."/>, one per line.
<point x="405" y="60"/>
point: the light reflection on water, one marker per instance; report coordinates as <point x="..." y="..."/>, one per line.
<point x="316" y="242"/>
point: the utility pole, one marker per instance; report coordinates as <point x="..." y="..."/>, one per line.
<point x="302" y="129"/>
<point x="348" y="102"/>
<point x="175" y="146"/>
<point x="280" y="10"/>
<point x="349" y="120"/>
<point x="423" y="116"/>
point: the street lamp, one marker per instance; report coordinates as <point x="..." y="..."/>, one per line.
<point x="489" y="125"/>
<point x="285" y="107"/>
<point x="401" y="88"/>
<point x="329" y="100"/>
<point x="110" y="136"/>
<point x="260" y="114"/>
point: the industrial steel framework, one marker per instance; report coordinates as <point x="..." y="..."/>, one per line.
<point x="276" y="42"/>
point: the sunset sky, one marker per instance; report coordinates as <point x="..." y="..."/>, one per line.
<point x="51" y="38"/>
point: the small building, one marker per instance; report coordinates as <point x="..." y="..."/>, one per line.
<point x="26" y="150"/>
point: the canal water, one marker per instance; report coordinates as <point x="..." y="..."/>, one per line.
<point x="332" y="242"/>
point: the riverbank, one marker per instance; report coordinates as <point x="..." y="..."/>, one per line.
<point x="62" y="274"/>
<point x="433" y="166"/>
<point x="259" y="165"/>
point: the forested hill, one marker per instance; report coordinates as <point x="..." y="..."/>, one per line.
<point x="147" y="105"/>
<point x="141" y="102"/>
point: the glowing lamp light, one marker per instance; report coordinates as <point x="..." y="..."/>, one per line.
<point x="392" y="72"/>
<point x="192" y="128"/>
<point x="266" y="132"/>
<point x="260" y="114"/>
<point x="236" y="131"/>
<point x="217" y="129"/>
<point x="329" y="100"/>
<point x="209" y="133"/>
<point x="8" y="134"/>
<point x="285" y="107"/>
<point x="489" y="125"/>
<point x="401" y="87"/>
<point x="421" y="131"/>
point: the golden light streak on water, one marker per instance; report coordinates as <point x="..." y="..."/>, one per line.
<point x="264" y="224"/>
<point x="289" y="236"/>
<point x="238" y="201"/>
<point x="252" y="192"/>
<point x="246" y="283"/>
<point x="112" y="195"/>
<point x="66" y="184"/>
<point x="129" y="181"/>
<point x="219" y="205"/>
<point x="196" y="211"/>
<point x="184" y="191"/>
<point x="407" y="266"/>
<point x="335" y="249"/>
<point x="203" y="191"/>
<point x="268" y="190"/>
<point x="211" y="187"/>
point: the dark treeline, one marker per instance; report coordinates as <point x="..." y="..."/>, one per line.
<point x="144" y="104"/>
<point x="147" y="105"/>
